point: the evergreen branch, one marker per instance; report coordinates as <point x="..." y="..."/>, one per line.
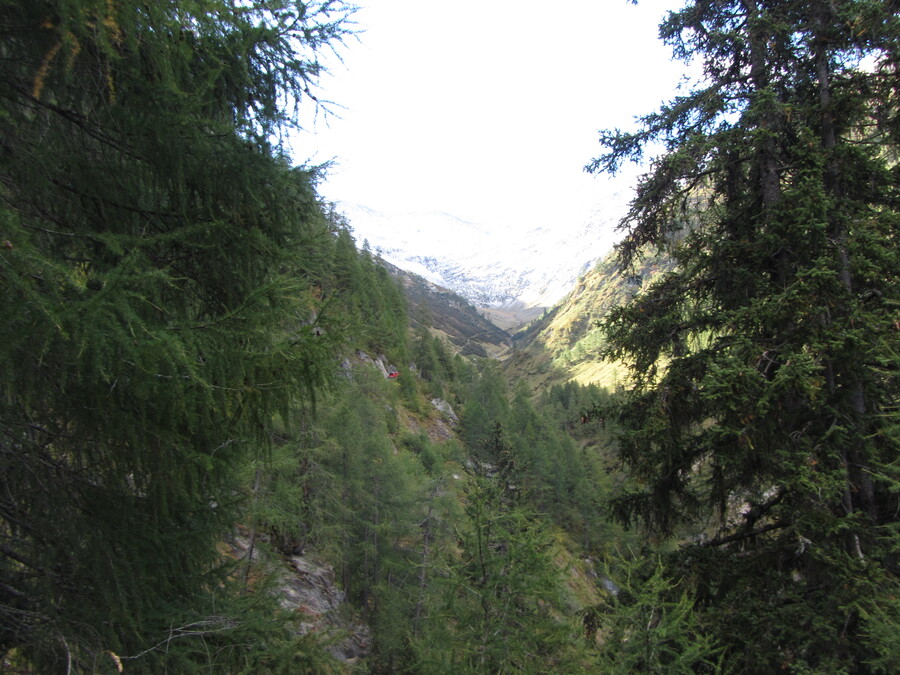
<point x="745" y="534"/>
<point x="9" y="553"/>
<point x="195" y="629"/>
<point x="125" y="207"/>
<point x="79" y="121"/>
<point x="15" y="592"/>
<point x="57" y="233"/>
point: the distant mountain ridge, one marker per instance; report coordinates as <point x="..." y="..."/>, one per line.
<point x="511" y="274"/>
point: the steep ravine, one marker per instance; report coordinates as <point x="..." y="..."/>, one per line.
<point x="304" y="582"/>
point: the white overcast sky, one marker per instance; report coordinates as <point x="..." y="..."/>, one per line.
<point x="486" y="109"/>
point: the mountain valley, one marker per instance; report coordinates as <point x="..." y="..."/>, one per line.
<point x="543" y="346"/>
<point x="510" y="274"/>
<point x="245" y="429"/>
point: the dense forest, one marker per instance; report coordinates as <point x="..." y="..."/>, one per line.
<point x="206" y="380"/>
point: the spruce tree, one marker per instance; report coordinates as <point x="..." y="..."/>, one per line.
<point x="764" y="364"/>
<point x="158" y="283"/>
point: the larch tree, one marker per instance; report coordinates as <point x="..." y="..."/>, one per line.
<point x="501" y="612"/>
<point x="762" y="414"/>
<point x="158" y="276"/>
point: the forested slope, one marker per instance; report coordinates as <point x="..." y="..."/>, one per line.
<point x="180" y="312"/>
<point x="450" y="315"/>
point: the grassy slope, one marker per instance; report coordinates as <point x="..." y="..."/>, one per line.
<point x="563" y="345"/>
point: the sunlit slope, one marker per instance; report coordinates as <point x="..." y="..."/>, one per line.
<point x="565" y="343"/>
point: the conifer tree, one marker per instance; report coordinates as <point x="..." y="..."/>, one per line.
<point x="650" y="626"/>
<point x="762" y="395"/>
<point x="501" y="612"/>
<point x="158" y="283"/>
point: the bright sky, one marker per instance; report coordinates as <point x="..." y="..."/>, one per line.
<point x="486" y="109"/>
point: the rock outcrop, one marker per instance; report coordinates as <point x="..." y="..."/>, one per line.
<point x="308" y="587"/>
<point x="305" y="584"/>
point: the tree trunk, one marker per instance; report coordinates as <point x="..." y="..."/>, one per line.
<point x="860" y="489"/>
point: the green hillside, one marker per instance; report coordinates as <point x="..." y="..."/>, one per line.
<point x="564" y="344"/>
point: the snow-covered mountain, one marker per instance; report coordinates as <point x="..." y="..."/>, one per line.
<point x="494" y="267"/>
